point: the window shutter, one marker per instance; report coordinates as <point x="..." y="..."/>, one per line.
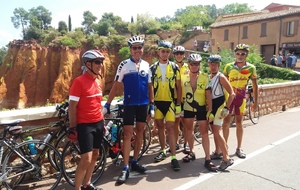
<point x="284" y="29"/>
<point x="296" y="27"/>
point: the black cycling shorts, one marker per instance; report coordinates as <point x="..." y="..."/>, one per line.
<point x="200" y="114"/>
<point x="137" y="112"/>
<point x="90" y="136"/>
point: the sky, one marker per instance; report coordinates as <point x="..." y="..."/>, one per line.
<point x="61" y="9"/>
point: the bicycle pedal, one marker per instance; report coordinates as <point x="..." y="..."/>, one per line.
<point x="118" y="162"/>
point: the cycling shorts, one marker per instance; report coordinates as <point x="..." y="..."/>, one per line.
<point x="218" y="105"/>
<point x="238" y="105"/>
<point x="165" y="110"/>
<point x="134" y="113"/>
<point x="90" y="136"/>
<point x="200" y="114"/>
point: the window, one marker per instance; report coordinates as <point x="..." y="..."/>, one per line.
<point x="226" y="33"/>
<point x="232" y="46"/>
<point x="263" y="30"/>
<point x="245" y="32"/>
<point x="290" y="28"/>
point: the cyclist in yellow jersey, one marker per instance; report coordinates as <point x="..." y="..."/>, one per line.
<point x="179" y="56"/>
<point x="238" y="74"/>
<point x="197" y="93"/>
<point x="166" y="76"/>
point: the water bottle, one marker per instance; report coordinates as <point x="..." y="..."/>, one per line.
<point x="47" y="138"/>
<point x="114" y="132"/>
<point x="152" y="110"/>
<point x="107" y="128"/>
<point x="31" y="146"/>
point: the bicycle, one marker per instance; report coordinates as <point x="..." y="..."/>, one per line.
<point x="56" y="138"/>
<point x="20" y="162"/>
<point x="253" y="116"/>
<point x="113" y="149"/>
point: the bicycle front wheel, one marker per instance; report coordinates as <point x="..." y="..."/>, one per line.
<point x="70" y="160"/>
<point x="146" y="141"/>
<point x="254" y="116"/>
<point x="26" y="171"/>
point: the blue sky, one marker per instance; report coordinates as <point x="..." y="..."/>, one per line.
<point x="61" y="9"/>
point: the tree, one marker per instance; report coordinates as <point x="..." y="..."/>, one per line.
<point x="40" y="17"/>
<point x="70" y="24"/>
<point x="192" y="16"/>
<point x="62" y="26"/>
<point x="102" y="28"/>
<point x="116" y="22"/>
<point x="236" y="8"/>
<point x="88" y="21"/>
<point x="143" y="23"/>
<point x="20" y="18"/>
<point x="3" y="53"/>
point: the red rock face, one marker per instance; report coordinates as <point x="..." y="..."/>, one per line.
<point x="34" y="76"/>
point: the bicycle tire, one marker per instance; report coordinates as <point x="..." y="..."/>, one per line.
<point x="42" y="174"/>
<point x="59" y="145"/>
<point x="71" y="157"/>
<point x="197" y="133"/>
<point x="253" y="116"/>
<point x="145" y="144"/>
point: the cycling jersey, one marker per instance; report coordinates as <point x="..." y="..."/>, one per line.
<point x="216" y="87"/>
<point x="88" y="90"/>
<point x="184" y="69"/>
<point x="198" y="98"/>
<point x="164" y="90"/>
<point x="238" y="78"/>
<point x="135" y="81"/>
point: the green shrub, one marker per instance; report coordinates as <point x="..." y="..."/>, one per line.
<point x="124" y="53"/>
<point x="116" y="42"/>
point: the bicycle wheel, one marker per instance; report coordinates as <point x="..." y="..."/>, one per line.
<point x="253" y="116"/>
<point x="71" y="157"/>
<point x="36" y="170"/>
<point x="145" y="142"/>
<point x="59" y="145"/>
<point x="197" y="134"/>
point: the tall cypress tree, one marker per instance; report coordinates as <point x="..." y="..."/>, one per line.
<point x="70" y="24"/>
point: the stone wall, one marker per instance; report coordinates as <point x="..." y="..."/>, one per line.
<point x="278" y="97"/>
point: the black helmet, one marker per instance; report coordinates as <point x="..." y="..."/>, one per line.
<point x="214" y="59"/>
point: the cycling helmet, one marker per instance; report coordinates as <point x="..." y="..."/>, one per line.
<point x="91" y="55"/>
<point x="135" y="40"/>
<point x="242" y="47"/>
<point x="214" y="59"/>
<point x="164" y="44"/>
<point x="178" y="49"/>
<point x="195" y="57"/>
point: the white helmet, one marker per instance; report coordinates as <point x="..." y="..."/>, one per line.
<point x="195" y="57"/>
<point x="91" y="55"/>
<point x="178" y="49"/>
<point x="135" y="40"/>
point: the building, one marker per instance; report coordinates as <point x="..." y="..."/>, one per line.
<point x="274" y="30"/>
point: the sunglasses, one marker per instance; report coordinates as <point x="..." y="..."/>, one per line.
<point x="137" y="48"/>
<point x="98" y="62"/>
<point x="179" y="53"/>
<point x="238" y="53"/>
<point x="165" y="51"/>
<point x="194" y="64"/>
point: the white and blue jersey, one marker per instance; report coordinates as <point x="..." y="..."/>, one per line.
<point x="135" y="81"/>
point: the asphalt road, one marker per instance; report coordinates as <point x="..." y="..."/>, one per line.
<point x="272" y="162"/>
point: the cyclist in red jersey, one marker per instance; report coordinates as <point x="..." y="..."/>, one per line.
<point x="86" y="119"/>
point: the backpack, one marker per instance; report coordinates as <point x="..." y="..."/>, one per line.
<point x="273" y="61"/>
<point x="175" y="68"/>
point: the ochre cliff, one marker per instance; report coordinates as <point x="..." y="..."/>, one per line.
<point x="32" y="75"/>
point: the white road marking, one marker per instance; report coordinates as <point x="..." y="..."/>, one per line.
<point x="236" y="162"/>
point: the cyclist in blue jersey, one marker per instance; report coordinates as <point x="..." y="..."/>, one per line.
<point x="138" y="94"/>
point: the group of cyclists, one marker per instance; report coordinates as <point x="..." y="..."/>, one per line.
<point x="174" y="91"/>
